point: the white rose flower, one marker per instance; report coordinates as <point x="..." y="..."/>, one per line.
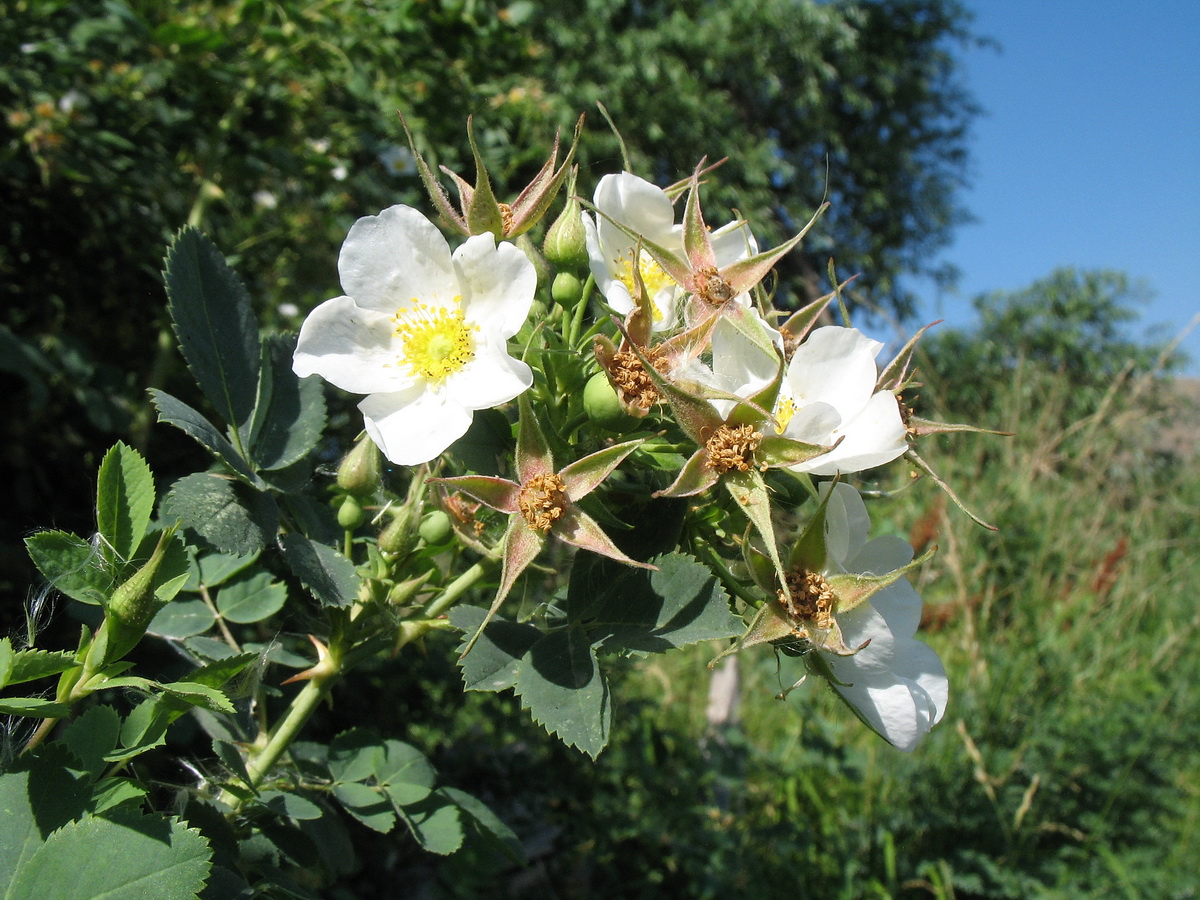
<point x="646" y="210"/>
<point x="828" y="393"/>
<point x="422" y="332"/>
<point x="896" y="684"/>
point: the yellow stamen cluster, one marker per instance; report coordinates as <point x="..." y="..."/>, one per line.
<point x="653" y="276"/>
<point x="435" y="340"/>
<point x="712" y="288"/>
<point x="731" y="447"/>
<point x="542" y="501"/>
<point x="808" y="599"/>
<point x="631" y="381"/>
<point x="784" y="410"/>
<point x="506" y="218"/>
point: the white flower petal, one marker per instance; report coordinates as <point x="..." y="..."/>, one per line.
<point x="894" y="710"/>
<point x="497" y="283"/>
<point x="875" y="436"/>
<point x="847" y="525"/>
<point x="350" y="347"/>
<point x="900" y="605"/>
<point x="415" y="426"/>
<point x="640" y="206"/>
<point x="490" y="379"/>
<point x="393" y="257"/>
<point x="921" y="665"/>
<point x="834" y="365"/>
<point x="884" y="554"/>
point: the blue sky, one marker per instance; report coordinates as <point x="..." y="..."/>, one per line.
<point x="1087" y="153"/>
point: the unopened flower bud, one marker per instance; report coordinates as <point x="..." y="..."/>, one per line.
<point x="567" y="290"/>
<point x="350" y="513"/>
<point x="134" y="604"/>
<point x="565" y="244"/>
<point x="435" y="528"/>
<point x="359" y="473"/>
<point x="395" y="536"/>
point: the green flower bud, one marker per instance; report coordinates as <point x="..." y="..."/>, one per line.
<point x="435" y="528"/>
<point x="133" y="604"/>
<point x="565" y="244"/>
<point x="603" y="406"/>
<point x="396" y="534"/>
<point x="566" y="290"/>
<point x="350" y="513"/>
<point x="360" y="472"/>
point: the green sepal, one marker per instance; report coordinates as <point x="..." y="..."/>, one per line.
<point x="483" y="212"/>
<point x="809" y="551"/>
<point x="853" y="590"/>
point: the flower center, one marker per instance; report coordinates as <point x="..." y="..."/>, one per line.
<point x="808" y="599"/>
<point x="631" y="380"/>
<point x="653" y="276"/>
<point x="712" y="288"/>
<point x="542" y="501"/>
<point x="731" y="447"/>
<point x="436" y="341"/>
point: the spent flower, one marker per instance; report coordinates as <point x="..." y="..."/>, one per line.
<point x="845" y="606"/>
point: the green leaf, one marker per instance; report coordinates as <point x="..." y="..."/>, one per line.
<point x="289" y="414"/>
<point x="182" y="618"/>
<point x="6" y="661"/>
<point x="222" y="512"/>
<point x="175" y="412"/>
<point x="228" y="754"/>
<point x="403" y="772"/>
<point x="477" y="813"/>
<point x="650" y="611"/>
<point x="71" y="565"/>
<point x="29" y="665"/>
<point x="325" y="572"/>
<point x="110" y="793"/>
<point x="92" y="737"/>
<point x="219" y="673"/>
<point x="367" y="804"/>
<point x="252" y="598"/>
<point x="559" y="682"/>
<point x="494" y="662"/>
<point x="290" y="804"/>
<point x="215" y="325"/>
<point x="217" y="567"/>
<point x="352" y="754"/>
<point x="200" y="695"/>
<point x="124" y="501"/>
<point x="37" y="795"/>
<point x="435" y="823"/>
<point x="143" y="729"/>
<point x="143" y="856"/>
<point x="33" y="707"/>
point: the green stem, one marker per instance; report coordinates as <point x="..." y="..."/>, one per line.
<point x="39" y="735"/>
<point x="715" y="563"/>
<point x="303" y="706"/>
<point x="580" y="310"/>
<point x="457" y="587"/>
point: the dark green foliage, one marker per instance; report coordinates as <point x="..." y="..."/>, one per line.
<point x="1073" y="325"/>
